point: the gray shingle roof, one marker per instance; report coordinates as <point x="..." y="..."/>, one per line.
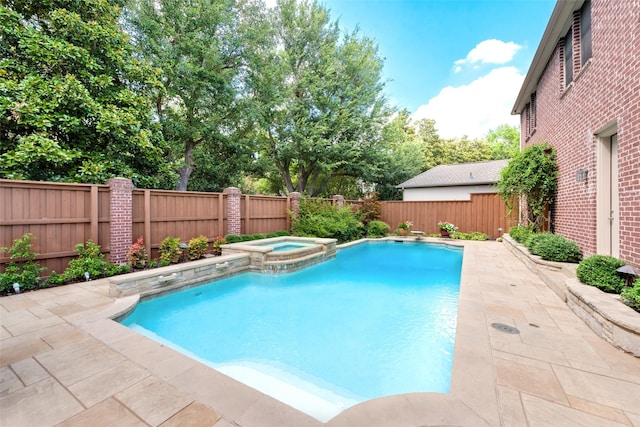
<point x="477" y="173"/>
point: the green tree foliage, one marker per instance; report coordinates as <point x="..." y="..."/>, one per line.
<point x="532" y="175"/>
<point x="74" y="102"/>
<point x="504" y="142"/>
<point x="317" y="99"/>
<point x="405" y="156"/>
<point x="197" y="46"/>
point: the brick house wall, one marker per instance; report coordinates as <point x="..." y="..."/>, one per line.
<point x="604" y="94"/>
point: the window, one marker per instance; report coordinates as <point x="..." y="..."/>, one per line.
<point x="533" y="112"/>
<point x="568" y="58"/>
<point x="585" y="32"/>
<point x="527" y="119"/>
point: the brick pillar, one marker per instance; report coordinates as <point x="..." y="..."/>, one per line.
<point x="338" y="200"/>
<point x="295" y="202"/>
<point x="232" y="210"/>
<point x="120" y="219"/>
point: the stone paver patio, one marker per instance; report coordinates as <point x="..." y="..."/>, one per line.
<point x="64" y="363"/>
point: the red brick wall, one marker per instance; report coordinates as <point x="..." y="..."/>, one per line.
<point x="607" y="89"/>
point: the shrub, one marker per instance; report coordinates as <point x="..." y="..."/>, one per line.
<point x="520" y="233"/>
<point x="552" y="247"/>
<point x="170" y="251"/>
<point x="377" y="229"/>
<point x="22" y="267"/>
<point x="533" y="240"/>
<point x="631" y="296"/>
<point x="217" y="242"/>
<point x="137" y="254"/>
<point x="89" y="259"/>
<point x="371" y="209"/>
<point x="54" y="279"/>
<point x="318" y="218"/>
<point x="197" y="247"/>
<point x="476" y="235"/>
<point x="600" y="271"/>
<point x="233" y="238"/>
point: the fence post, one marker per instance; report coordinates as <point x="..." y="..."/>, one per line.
<point x="120" y="219"/>
<point x="338" y="200"/>
<point x="234" y="218"/>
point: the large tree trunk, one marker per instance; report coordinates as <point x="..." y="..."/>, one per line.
<point x="186" y="170"/>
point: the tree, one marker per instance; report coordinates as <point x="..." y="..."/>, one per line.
<point x="197" y="46"/>
<point x="532" y="176"/>
<point x="504" y="142"/>
<point x="74" y="102"/>
<point x="405" y="156"/>
<point x="317" y="99"/>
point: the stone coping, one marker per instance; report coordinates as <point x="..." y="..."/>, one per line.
<point x="604" y="313"/>
<point x="472" y="399"/>
<point x="175" y="276"/>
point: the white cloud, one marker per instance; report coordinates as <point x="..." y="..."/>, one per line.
<point x="490" y="51"/>
<point x="476" y="108"/>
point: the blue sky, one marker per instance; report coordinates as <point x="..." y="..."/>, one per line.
<point x="459" y="62"/>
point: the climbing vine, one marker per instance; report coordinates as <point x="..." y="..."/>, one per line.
<point x="532" y="175"/>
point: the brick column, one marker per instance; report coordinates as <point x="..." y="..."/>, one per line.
<point x="120" y="219"/>
<point x="232" y="210"/>
<point x="295" y="201"/>
<point x="338" y="200"/>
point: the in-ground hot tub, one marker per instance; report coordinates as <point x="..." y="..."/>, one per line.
<point x="282" y="254"/>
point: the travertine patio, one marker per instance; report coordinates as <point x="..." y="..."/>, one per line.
<point x="63" y="362"/>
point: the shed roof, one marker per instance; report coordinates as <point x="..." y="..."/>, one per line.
<point x="477" y="173"/>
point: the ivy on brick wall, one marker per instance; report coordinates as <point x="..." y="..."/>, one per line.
<point x="532" y="176"/>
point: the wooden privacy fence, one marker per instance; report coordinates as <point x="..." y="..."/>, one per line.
<point x="486" y="213"/>
<point x="60" y="215"/>
<point x="114" y="215"/>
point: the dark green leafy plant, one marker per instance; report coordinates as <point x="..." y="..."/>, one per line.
<point x="319" y="218"/>
<point x="600" y="271"/>
<point x="631" y="296"/>
<point x="534" y="240"/>
<point x="377" y="228"/>
<point x="552" y="247"/>
<point x="170" y="251"/>
<point x="22" y="267"/>
<point x="532" y="176"/>
<point x="90" y="260"/>
<point x="54" y="279"/>
<point x="520" y="233"/>
<point x="197" y="247"/>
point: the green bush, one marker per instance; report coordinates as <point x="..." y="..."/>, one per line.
<point x="377" y="229"/>
<point x="54" y="279"/>
<point x="552" y="247"/>
<point x="476" y="235"/>
<point x="170" y="251"/>
<point x="197" y="247"/>
<point x="319" y="218"/>
<point x="520" y="233"/>
<point x="22" y="267"/>
<point x="233" y="238"/>
<point x="89" y="259"/>
<point x="631" y="296"/>
<point x="600" y="271"/>
<point x="534" y="240"/>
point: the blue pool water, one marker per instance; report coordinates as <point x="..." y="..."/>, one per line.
<point x="377" y="320"/>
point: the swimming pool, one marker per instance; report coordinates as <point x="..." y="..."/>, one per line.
<point x="378" y="319"/>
